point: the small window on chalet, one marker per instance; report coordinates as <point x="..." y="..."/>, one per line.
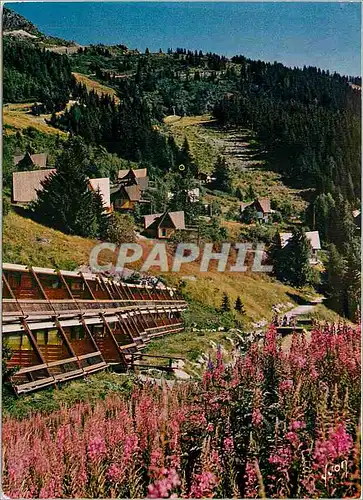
<point x="163" y="231"/>
<point x="56" y="284"/>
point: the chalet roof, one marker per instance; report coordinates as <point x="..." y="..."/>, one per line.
<point x="138" y="173"/>
<point x="244" y="205"/>
<point x="177" y="219"/>
<point x="39" y="159"/>
<point x="312" y="236"/>
<point x="149" y="219"/>
<point x="133" y="192"/>
<point x="143" y="182"/>
<point x="103" y="184"/>
<point x="265" y="204"/>
<point x="25" y="184"/>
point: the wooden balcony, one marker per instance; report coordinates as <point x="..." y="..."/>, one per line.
<point x="61" y="325"/>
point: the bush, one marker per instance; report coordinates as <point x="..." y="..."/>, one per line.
<point x="6" y="205"/>
<point x="120" y="229"/>
<point x="257" y="234"/>
<point x="249" y="215"/>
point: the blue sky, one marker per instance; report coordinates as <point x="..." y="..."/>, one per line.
<point x="324" y="34"/>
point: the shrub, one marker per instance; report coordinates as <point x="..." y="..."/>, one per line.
<point x="120" y="229"/>
<point x="6" y="206"/>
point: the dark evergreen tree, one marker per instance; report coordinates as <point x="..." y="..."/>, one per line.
<point x="249" y="215"/>
<point x="239" y="306"/>
<point x="292" y="262"/>
<point x="334" y="277"/>
<point x="223" y="176"/>
<point x="66" y="202"/>
<point x="225" y="306"/>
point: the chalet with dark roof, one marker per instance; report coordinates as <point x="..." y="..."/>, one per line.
<point x="163" y="226"/>
<point x="134" y="177"/>
<point x="125" y="198"/>
<point x="262" y="207"/>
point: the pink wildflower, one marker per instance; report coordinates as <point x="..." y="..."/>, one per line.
<point x="257" y="417"/>
<point x="162" y="488"/>
<point x="228" y="444"/>
<point x="203" y="485"/>
<point x="96" y="449"/>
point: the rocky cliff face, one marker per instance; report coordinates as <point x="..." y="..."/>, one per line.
<point x="14" y="21"/>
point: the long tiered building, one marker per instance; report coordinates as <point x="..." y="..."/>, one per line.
<point x="61" y="325"/>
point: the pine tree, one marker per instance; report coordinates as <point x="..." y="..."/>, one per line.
<point x="335" y="274"/>
<point x="292" y="262"/>
<point x="223" y="176"/>
<point x="250" y="195"/>
<point x="66" y="201"/>
<point x="225" y="307"/>
<point x="239" y="306"/>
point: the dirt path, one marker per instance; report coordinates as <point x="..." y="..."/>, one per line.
<point x="304" y="309"/>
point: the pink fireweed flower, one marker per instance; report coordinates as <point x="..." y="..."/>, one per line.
<point x="257" y="417"/>
<point x="296" y="425"/>
<point x="210" y="427"/>
<point x="339" y="444"/>
<point x="203" y="485"/>
<point x="286" y="385"/>
<point x="115" y="473"/>
<point x="228" y="444"/>
<point x="96" y="449"/>
<point x="292" y="438"/>
<point x="162" y="488"/>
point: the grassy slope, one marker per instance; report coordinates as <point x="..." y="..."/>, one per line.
<point x="18" y="117"/>
<point x="99" y="88"/>
<point x="90" y="390"/>
<point x="29" y="243"/>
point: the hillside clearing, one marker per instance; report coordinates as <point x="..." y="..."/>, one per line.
<point x="241" y="152"/>
<point x="99" y="88"/>
<point x="19" y="117"/>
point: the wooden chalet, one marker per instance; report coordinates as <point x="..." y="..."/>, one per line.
<point x="134" y="177"/>
<point x="128" y="190"/>
<point x="262" y="207"/>
<point x="60" y="325"/>
<point x="163" y="226"/>
<point x="125" y="198"/>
